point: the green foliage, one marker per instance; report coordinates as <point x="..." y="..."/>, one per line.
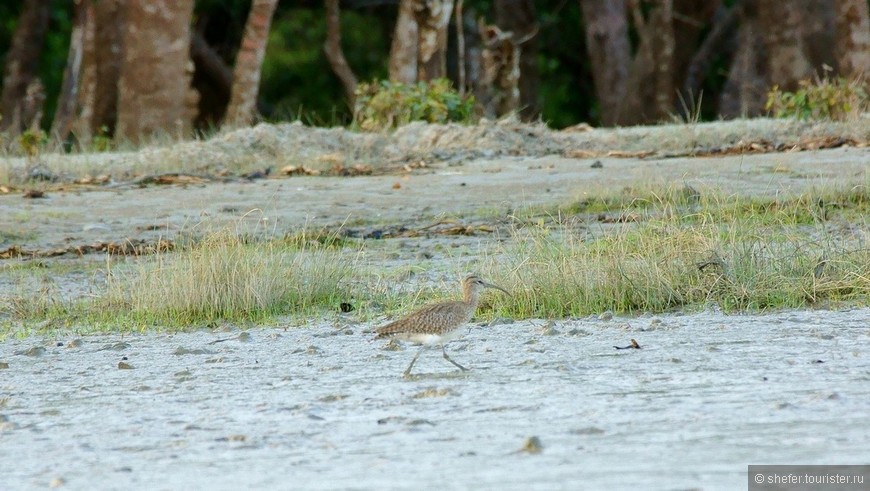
<point x="567" y="94"/>
<point x="837" y="99"/>
<point x="32" y="141"/>
<point x="297" y="81"/>
<point x="102" y="141"/>
<point x="385" y="105"/>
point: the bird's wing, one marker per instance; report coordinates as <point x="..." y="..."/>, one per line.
<point x="425" y="316"/>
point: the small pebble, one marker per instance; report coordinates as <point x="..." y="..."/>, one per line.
<point x="532" y="445"/>
<point x="549" y="329"/>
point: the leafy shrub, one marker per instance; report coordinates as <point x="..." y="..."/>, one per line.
<point x="384" y="105"/>
<point x="823" y="98"/>
<point x="32" y="141"/>
<point x="102" y="141"/>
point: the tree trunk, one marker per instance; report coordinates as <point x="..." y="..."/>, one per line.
<point x="66" y="104"/>
<point x="334" y="53"/>
<point x="745" y="89"/>
<point x="609" y="53"/>
<point x="663" y="48"/>
<point x="433" y="17"/>
<point x="818" y="29"/>
<point x="22" y="62"/>
<point x="246" y="75"/>
<point x="213" y="80"/>
<point x="403" y="51"/>
<point x="100" y="69"/>
<point x="853" y="38"/>
<point x="779" y="43"/>
<point x="518" y="16"/>
<point x="721" y="41"/>
<point x="461" y="62"/>
<point x="651" y="89"/>
<point x="781" y="24"/>
<point x="691" y="17"/>
<point x="154" y="84"/>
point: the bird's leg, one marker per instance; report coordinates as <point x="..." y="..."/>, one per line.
<point x="408" y="370"/>
<point x="451" y="360"/>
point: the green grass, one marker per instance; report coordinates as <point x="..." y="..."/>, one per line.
<point x="663" y="266"/>
<point x="222" y="276"/>
<point x="702" y="203"/>
<point x="738" y="253"/>
<point x="684" y="250"/>
<point x="7" y="235"/>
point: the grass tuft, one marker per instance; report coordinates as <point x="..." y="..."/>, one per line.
<point x="737" y="253"/>
<point x="226" y="277"/>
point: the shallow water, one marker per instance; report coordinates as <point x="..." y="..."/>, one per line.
<point x="326" y="408"/>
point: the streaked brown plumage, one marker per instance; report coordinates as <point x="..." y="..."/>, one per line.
<point x="438" y="323"/>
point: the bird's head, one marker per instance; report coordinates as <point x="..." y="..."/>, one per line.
<point x="473" y="285"/>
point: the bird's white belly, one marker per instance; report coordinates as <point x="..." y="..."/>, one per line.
<point x="430" y="339"/>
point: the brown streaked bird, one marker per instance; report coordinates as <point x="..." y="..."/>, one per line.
<point x="439" y="323"/>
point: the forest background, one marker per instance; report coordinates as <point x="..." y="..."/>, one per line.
<point x="86" y="69"/>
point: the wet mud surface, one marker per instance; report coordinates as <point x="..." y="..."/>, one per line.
<point x="87" y="222"/>
<point x="325" y="406"/>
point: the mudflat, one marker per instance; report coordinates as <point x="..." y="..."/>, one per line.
<point x="548" y="403"/>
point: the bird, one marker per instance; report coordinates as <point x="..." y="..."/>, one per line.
<point x="438" y="323"/>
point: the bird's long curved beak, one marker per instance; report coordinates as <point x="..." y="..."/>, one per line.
<point x="490" y="285"/>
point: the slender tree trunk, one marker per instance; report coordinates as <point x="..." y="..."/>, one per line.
<point x="433" y="17"/>
<point x="207" y="60"/>
<point x="663" y="49"/>
<point x="651" y="89"/>
<point x="722" y="41"/>
<point x="853" y="38"/>
<point x="460" y="47"/>
<point x="403" y="51"/>
<point x="66" y="104"/>
<point x="22" y="62"/>
<point x="155" y="77"/>
<point x="97" y="104"/>
<point x="691" y="18"/>
<point x="213" y="80"/>
<point x="334" y="53"/>
<point x="745" y="89"/>
<point x="33" y="104"/>
<point x="519" y="17"/>
<point x="609" y="52"/>
<point x="246" y="75"/>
